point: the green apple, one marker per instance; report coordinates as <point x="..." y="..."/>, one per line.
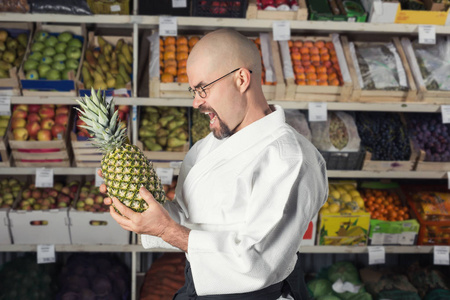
<point x="65" y="36"/>
<point x="51" y="41"/>
<point x="32" y="74"/>
<point x="73" y="52"/>
<point x="53" y="75"/>
<point x="43" y="70"/>
<point x="74" y="42"/>
<point x="58" y="65"/>
<point x="60" y="47"/>
<point x="49" y="51"/>
<point x="41" y="36"/>
<point x="30" y="65"/>
<point x="37" y="46"/>
<point x="36" y="55"/>
<point x="72" y="64"/>
<point x="47" y="60"/>
<point x="60" y="57"/>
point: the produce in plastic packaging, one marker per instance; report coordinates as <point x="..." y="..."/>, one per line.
<point x="298" y="121"/>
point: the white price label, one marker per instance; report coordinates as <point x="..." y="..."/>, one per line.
<point x="44" y="178"/>
<point x="377" y="255"/>
<point x="351" y="20"/>
<point x="179" y="3"/>
<point x="46" y="254"/>
<point x="121" y="92"/>
<point x="165" y="174"/>
<point x="98" y="179"/>
<point x="317" y="112"/>
<point x="115" y="8"/>
<point x="5" y="105"/>
<point x="175" y="164"/>
<point x="281" y="30"/>
<point x="427" y="34"/>
<point x="168" y="26"/>
<point x="441" y="256"/>
<point x="445" y="111"/>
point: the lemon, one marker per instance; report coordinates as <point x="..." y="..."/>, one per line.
<point x="341" y="190"/>
<point x="359" y="201"/>
<point x="335" y="194"/>
<point x="334" y="208"/>
<point x="348" y="186"/>
<point x="325" y="211"/>
<point x="325" y="205"/>
<point x="354" y="193"/>
<point x="346" y="198"/>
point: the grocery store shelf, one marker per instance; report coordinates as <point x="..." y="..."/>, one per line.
<point x="210" y="23"/>
<point x="139" y="248"/>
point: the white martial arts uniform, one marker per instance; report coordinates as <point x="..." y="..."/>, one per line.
<point x="248" y="200"/>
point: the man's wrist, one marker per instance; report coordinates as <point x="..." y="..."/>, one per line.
<point x="177" y="235"/>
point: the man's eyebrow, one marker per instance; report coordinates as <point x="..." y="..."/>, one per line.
<point x="201" y="83"/>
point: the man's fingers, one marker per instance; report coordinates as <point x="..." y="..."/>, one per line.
<point x="102" y="188"/>
<point x="107" y="201"/>
<point x="146" y="195"/>
<point x="99" y="172"/>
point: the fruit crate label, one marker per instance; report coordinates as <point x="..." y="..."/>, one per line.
<point x="165" y="174"/>
<point x="179" y="3"/>
<point x="427" y="34"/>
<point x="46" y="254"/>
<point x="5" y="105"/>
<point x="445" y="110"/>
<point x="441" y="256"/>
<point x="168" y="26"/>
<point x="317" y="112"/>
<point x="115" y="8"/>
<point x="44" y="178"/>
<point x="281" y="30"/>
<point x="377" y="255"/>
<point x="98" y="179"/>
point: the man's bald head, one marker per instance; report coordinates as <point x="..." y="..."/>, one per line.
<point x="224" y="50"/>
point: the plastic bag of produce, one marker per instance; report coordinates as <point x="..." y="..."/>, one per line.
<point x="345" y="271"/>
<point x="378" y="66"/>
<point x="75" y="7"/>
<point x="19" y="6"/>
<point x="338" y="133"/>
<point x="298" y="120"/>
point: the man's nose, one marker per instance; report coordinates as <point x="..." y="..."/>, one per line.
<point x="197" y="101"/>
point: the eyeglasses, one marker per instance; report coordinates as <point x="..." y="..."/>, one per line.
<point x="201" y="89"/>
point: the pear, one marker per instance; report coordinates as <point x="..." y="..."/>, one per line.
<point x="119" y="45"/>
<point x="22" y="39"/>
<point x="126" y="52"/>
<point x="120" y="83"/>
<point x="110" y="80"/>
<point x="124" y="74"/>
<point x="4" y="74"/>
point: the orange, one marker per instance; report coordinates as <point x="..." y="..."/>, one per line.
<point x="298" y="44"/>
<point x="319" y="44"/>
<point x="306" y="63"/>
<point x="334" y="82"/>
<point x="169" y="40"/>
<point x="322" y="82"/>
<point x="297" y="62"/>
<point x="314" y="50"/>
<point x="306" y="57"/>
<point x="300" y="76"/>
<point x="315" y="57"/>
<point x="323" y="51"/>
<point x="311" y="82"/>
<point x="311" y="76"/>
<point x="193" y="40"/>
<point x="294" y="49"/>
<point x="298" y="69"/>
<point x="310" y="69"/>
<point x="290" y="43"/>
<point x="181" y="71"/>
<point x="171" y="70"/>
<point x="296" y="56"/>
<point x="182" y="78"/>
<point x="322" y="76"/>
<point x="182" y="63"/>
<point x="169" y="55"/>
<point x="300" y="82"/>
<point x="161" y="56"/>
<point x="161" y="41"/>
<point x="304" y="50"/>
<point x="161" y="48"/>
<point x="171" y="48"/>
<point x="166" y="77"/>
<point x="329" y="45"/>
<point x="327" y="64"/>
<point x="182" y="55"/>
<point x="182" y="40"/>
<point x="332" y="52"/>
<point x="334" y="59"/>
<point x="321" y="69"/>
<point x="170" y="62"/>
<point x="308" y="44"/>
<point x="325" y="57"/>
<point x="182" y="48"/>
<point x="161" y="64"/>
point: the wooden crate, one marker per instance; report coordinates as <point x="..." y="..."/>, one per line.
<point x="316" y="93"/>
<point x="399" y="165"/>
<point x="164" y="156"/>
<point x="11" y="86"/>
<point x="435" y="166"/>
<point x="300" y="15"/>
<point x="50" y="87"/>
<point x="361" y="95"/>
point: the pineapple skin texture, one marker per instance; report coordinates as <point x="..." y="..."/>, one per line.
<point x="125" y="170"/>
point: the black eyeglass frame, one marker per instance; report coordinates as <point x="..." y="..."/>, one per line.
<point x="193" y="91"/>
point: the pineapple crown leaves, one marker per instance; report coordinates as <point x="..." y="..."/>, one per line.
<point x="102" y="121"/>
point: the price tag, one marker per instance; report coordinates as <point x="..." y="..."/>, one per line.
<point x="179" y="3"/>
<point x="175" y="164"/>
<point x="168" y="26"/>
<point x="281" y="30"/>
<point x="46" y="254"/>
<point x="165" y="174"/>
<point x="5" y="105"/>
<point x="44" y="178"/>
<point x="317" y="112"/>
<point x="115" y="8"/>
<point x="351" y="20"/>
<point x="441" y="255"/>
<point x="98" y="179"/>
<point x="427" y="34"/>
<point x="121" y="92"/>
<point x="377" y="255"/>
<point x="445" y="111"/>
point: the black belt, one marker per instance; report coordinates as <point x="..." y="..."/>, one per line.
<point x="293" y="284"/>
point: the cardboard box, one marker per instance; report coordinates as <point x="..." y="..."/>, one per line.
<point x="393" y="232"/>
<point x="321" y="10"/>
<point x="309" y="238"/>
<point x="254" y="13"/>
<point x="344" y="229"/>
<point x="54" y="87"/>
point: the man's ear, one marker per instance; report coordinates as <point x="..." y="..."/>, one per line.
<point x="243" y="80"/>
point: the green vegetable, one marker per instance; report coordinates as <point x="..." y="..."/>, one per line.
<point x="345" y="271"/>
<point x="320" y="287"/>
<point x="328" y="297"/>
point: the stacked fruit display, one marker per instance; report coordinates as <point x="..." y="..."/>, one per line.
<point x="257" y="42"/>
<point x="343" y="198"/>
<point x="107" y="66"/>
<point x="4" y="122"/>
<point x="283" y="5"/>
<point x="53" y="56"/>
<point x="384" y="205"/>
<point x="173" y="54"/>
<point x="39" y="122"/>
<point x="60" y="196"/>
<point x="315" y="63"/>
<point x="384" y="135"/>
<point x="164" y="128"/>
<point x="12" y="51"/>
<point x="90" y="198"/>
<point x="431" y="135"/>
<point x="9" y="190"/>
<point x="169" y="189"/>
<point x="200" y="126"/>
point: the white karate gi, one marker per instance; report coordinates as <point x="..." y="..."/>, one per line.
<point x="248" y="200"/>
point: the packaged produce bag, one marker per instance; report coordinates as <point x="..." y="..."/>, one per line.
<point x="298" y="121"/>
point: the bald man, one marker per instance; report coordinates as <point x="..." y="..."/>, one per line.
<point x="246" y="192"/>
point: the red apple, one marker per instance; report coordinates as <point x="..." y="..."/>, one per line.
<point x="34" y="108"/>
<point x="36" y="194"/>
<point x="122" y="115"/>
<point x="33" y="117"/>
<point x="124" y="108"/>
<point x="62" y="119"/>
<point x="18" y="123"/>
<point x="47" y="112"/>
<point x="19" y="113"/>
<point x="62" y="110"/>
<point x="23" y="107"/>
<point x="49" y="106"/>
<point x="58" y="131"/>
<point x="20" y="134"/>
<point x="47" y="123"/>
<point x="33" y="128"/>
<point x="44" y="135"/>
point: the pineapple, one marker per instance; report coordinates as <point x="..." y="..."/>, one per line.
<point x="124" y="167"/>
